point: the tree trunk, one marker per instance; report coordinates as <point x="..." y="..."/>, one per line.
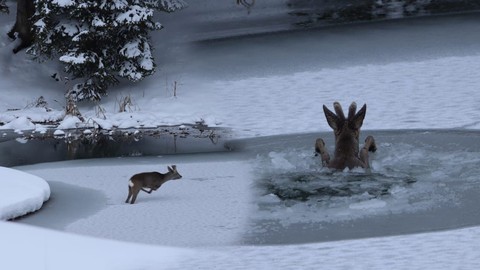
<point x="23" y="24"/>
<point x="3" y="6"/>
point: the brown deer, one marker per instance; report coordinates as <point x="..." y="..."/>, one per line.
<point x="347" y="131"/>
<point x="151" y="180"/>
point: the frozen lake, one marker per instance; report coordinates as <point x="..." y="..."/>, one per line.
<point x="419" y="177"/>
<point x="421" y="181"/>
<point x="293" y="50"/>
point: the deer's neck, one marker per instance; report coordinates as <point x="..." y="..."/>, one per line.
<point x="167" y="176"/>
<point x="346" y="148"/>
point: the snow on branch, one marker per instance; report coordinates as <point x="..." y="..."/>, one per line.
<point x="99" y="41"/>
<point x="135" y="15"/>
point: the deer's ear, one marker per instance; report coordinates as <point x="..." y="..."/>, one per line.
<point x="357" y="120"/>
<point x="338" y="110"/>
<point x="332" y="119"/>
<point x="352" y="110"/>
<point x="170" y="169"/>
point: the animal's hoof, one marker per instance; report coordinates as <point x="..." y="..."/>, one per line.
<point x="319" y="146"/>
<point x="370" y="143"/>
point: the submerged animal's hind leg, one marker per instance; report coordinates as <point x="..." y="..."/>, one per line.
<point x="322" y="151"/>
<point x="369" y="146"/>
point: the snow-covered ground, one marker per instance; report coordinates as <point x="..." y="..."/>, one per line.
<point x="22" y="193"/>
<point x="26" y="247"/>
<point x="414" y="74"/>
<point x="53" y="250"/>
<point x="209" y="206"/>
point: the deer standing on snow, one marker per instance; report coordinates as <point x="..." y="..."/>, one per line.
<point x="347" y="131"/>
<point x="151" y="180"/>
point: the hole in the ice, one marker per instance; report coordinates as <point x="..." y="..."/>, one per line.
<point x="323" y="185"/>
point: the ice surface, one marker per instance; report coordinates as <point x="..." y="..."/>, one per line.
<point x="208" y="206"/>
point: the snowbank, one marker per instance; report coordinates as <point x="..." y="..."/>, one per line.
<point x="457" y="249"/>
<point x="45" y="249"/>
<point x="22" y="193"/>
<point x="27" y="247"/>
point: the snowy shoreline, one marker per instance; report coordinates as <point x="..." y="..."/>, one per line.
<point x="412" y="76"/>
<point x="22" y="193"/>
<point x="431" y="192"/>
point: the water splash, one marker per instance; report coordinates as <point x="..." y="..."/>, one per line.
<point x="405" y="177"/>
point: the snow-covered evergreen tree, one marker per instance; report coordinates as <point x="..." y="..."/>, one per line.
<point x="99" y="40"/>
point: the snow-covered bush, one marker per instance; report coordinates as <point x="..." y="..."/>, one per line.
<point x="99" y="40"/>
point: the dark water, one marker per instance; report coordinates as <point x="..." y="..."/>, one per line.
<point x="213" y="19"/>
<point x="421" y="180"/>
<point x="31" y="148"/>
<point x="322" y="186"/>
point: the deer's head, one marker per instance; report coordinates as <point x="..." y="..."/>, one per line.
<point x="346" y="130"/>
<point x="174" y="173"/>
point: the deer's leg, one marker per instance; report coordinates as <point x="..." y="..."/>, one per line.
<point x="322" y="151"/>
<point x="129" y="194"/>
<point x="148" y="191"/>
<point x="135" y="192"/>
<point x="369" y="146"/>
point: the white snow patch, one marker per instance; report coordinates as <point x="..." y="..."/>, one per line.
<point x="368" y="205"/>
<point x="20" y="123"/>
<point x="280" y="162"/>
<point x="59" y="132"/>
<point x="134" y="14"/>
<point x="63" y="3"/>
<point x="27" y="247"/>
<point x="21" y="140"/>
<point x="73" y="58"/>
<point x="131" y="49"/>
<point x="21" y="193"/>
<point x="69" y="122"/>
